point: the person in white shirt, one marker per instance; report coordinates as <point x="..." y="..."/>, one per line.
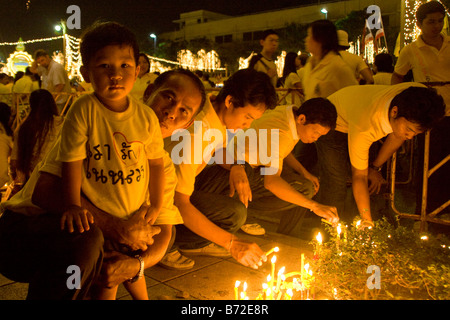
<point x="54" y="77"/>
<point x="355" y="62"/>
<point x="429" y="59"/>
<point x="383" y="67"/>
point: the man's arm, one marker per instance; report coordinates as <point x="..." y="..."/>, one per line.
<point x="367" y="75"/>
<point x="396" y="78"/>
<point x="361" y="178"/>
<point x="283" y="190"/>
<point x="133" y="232"/>
<point x="249" y="254"/>
<point x="292" y="162"/>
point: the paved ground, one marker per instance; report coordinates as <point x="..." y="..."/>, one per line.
<point x="210" y="279"/>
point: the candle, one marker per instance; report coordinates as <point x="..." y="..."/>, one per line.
<point x="280" y="273"/>
<point x="288" y="295"/>
<point x="272" y="275"/>
<point x="236" y="293"/>
<point x="338" y="236"/>
<point x="319" y="243"/>
<point x="244" y="292"/>
<point x="302" y="265"/>
<point x="275" y="249"/>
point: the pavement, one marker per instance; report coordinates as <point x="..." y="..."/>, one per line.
<point x="211" y="278"/>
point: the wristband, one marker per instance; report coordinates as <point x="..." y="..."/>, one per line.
<point x="141" y="270"/>
<point x="372" y="166"/>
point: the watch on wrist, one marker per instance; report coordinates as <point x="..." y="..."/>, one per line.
<point x="372" y="166"/>
<point x="141" y="269"/>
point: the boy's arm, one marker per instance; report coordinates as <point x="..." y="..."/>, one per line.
<point x="71" y="183"/>
<point x="133" y="232"/>
<point x="156" y="188"/>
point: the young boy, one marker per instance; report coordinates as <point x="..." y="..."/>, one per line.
<point x="111" y="145"/>
<point x="264" y="61"/>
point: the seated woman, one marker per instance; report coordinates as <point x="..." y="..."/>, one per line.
<point x="35" y="135"/>
<point x="6" y="142"/>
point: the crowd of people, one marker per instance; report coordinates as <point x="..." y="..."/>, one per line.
<point x="149" y="169"/>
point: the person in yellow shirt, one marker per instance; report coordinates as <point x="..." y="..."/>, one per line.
<point x="276" y="181"/>
<point x="144" y="79"/>
<point x="367" y="114"/>
<point x="210" y="220"/>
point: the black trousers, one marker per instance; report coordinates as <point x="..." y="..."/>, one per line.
<point x="34" y="250"/>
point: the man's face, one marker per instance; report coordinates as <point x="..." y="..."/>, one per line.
<point x="432" y="25"/>
<point x="241" y="117"/>
<point x="270" y="43"/>
<point x="43" y="61"/>
<point x="112" y="72"/>
<point x="402" y="128"/>
<point x="309" y="133"/>
<point x="175" y="103"/>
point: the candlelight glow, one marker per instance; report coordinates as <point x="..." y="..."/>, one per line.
<point x="319" y="238"/>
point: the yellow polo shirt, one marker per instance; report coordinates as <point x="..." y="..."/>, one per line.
<point x="363" y="114"/>
<point x="268" y="141"/>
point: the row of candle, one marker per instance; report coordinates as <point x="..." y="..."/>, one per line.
<point x="278" y="287"/>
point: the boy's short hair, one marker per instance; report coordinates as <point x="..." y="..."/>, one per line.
<point x="102" y="34"/>
<point x="318" y="111"/>
<point x="248" y="86"/>
<point x="384" y="62"/>
<point x="40" y="53"/>
<point x="423" y="106"/>
<point x="267" y="33"/>
<point x="427" y="8"/>
<point x="163" y="77"/>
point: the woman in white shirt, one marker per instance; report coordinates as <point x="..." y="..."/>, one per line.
<point x="291" y="80"/>
<point x="35" y="136"/>
<point x="143" y="79"/>
<point x="325" y="72"/>
<point x="6" y="142"/>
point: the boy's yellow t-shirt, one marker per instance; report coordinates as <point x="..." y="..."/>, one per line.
<point x="115" y="149"/>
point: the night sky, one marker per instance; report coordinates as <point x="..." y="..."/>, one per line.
<point x="36" y="19"/>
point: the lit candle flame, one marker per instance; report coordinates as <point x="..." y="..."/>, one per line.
<point x="338" y="229"/>
<point x="319" y="238"/>
<point x="274" y="259"/>
<point x="237" y="283"/>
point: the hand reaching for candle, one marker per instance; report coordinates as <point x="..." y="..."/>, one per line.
<point x="327" y="212"/>
<point x="247" y="253"/>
